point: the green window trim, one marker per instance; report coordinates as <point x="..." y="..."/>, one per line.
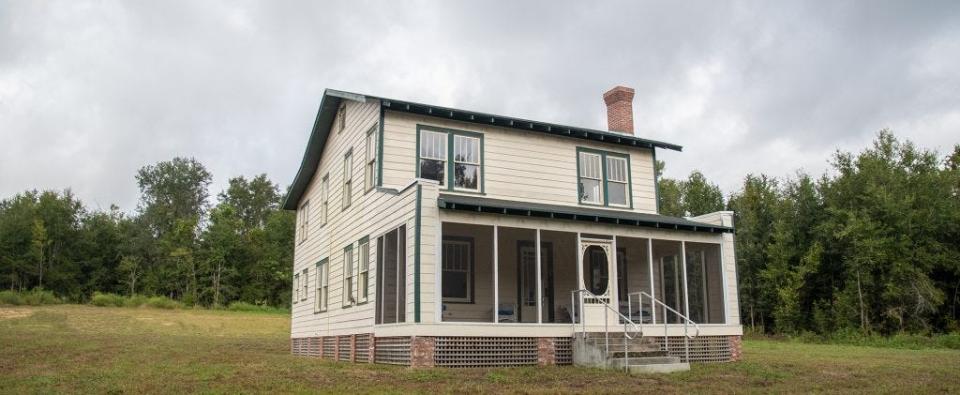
<point x="347" y="185"/>
<point x="365" y="240"/>
<point x="605" y="181"/>
<point x="346" y="302"/>
<point x="370" y="181"/>
<point x="450" y="162"/>
<point x="323" y="285"/>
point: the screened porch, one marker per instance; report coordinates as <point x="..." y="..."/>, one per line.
<point x="494" y="274"/>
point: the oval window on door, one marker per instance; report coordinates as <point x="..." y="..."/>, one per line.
<point x="595" y="270"/>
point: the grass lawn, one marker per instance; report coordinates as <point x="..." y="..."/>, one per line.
<point x="70" y="348"/>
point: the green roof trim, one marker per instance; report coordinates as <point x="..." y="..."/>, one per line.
<point x="506" y="207"/>
<point x="331" y="102"/>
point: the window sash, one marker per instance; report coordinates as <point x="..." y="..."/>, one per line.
<point x="321" y="297"/>
<point x="457" y="259"/>
<point x="363" y="275"/>
<point x="590" y="166"/>
<point x="325" y="198"/>
<point x="433" y="145"/>
<point x="306" y="284"/>
<point x="348" y="295"/>
<point x="616" y="169"/>
<point x="347" y="179"/>
<point x="296" y="287"/>
<point x="371" y="152"/>
<point x="466" y="149"/>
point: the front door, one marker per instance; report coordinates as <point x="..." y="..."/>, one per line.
<point x="596" y="260"/>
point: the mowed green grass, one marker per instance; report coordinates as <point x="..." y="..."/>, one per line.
<point x="88" y="349"/>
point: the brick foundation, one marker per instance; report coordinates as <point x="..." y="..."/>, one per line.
<point x="422" y="351"/>
<point x="472" y="351"/>
<point x="736" y="348"/>
<point x="546" y="351"/>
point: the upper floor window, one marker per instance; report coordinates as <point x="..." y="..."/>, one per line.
<point x="452" y="158"/>
<point x="304" y="221"/>
<point x="603" y="178"/>
<point x="347" y="178"/>
<point x="324" y="198"/>
<point x="341" y="118"/>
<point x="370" y="162"/>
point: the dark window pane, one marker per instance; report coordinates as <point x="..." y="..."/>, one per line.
<point x="617" y="193"/>
<point x="466" y="176"/>
<point x="432" y="170"/>
<point x="454" y="284"/>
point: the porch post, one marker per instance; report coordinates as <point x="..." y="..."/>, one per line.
<point x="653" y="305"/>
<point x="496" y="279"/>
<point x="539" y="280"/>
<point x="615" y="277"/>
<point x="683" y="264"/>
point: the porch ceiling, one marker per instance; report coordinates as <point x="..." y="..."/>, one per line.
<point x="507" y="207"/>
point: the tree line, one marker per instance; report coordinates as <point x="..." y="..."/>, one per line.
<point x="871" y="246"/>
<point x="175" y="244"/>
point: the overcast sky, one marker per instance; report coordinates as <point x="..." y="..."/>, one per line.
<point x="92" y="91"/>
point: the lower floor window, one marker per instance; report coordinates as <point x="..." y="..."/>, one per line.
<point x="457" y="270"/>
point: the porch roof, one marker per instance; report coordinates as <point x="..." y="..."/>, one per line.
<point x="478" y="204"/>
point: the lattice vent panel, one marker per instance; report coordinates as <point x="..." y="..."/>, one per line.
<point x="564" y="350"/>
<point x="329" y="345"/>
<point x="485" y="351"/>
<point x="392" y="350"/>
<point x="345" y="347"/>
<point x="702" y="349"/>
<point x="363" y="348"/>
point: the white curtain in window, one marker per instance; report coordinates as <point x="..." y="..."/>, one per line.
<point x="433" y="145"/>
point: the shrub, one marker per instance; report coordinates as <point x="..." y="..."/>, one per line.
<point x="34" y="297"/>
<point x="163" y="302"/>
<point x="107" y="299"/>
<point x="135" y="301"/>
<point x="10" y="297"/>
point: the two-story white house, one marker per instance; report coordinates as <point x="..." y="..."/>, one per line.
<point x="417" y="234"/>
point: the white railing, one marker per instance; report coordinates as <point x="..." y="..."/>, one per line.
<point x="577" y="305"/>
<point x="687" y="322"/>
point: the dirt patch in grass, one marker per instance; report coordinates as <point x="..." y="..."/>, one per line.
<point x="9" y="314"/>
<point x="83" y="349"/>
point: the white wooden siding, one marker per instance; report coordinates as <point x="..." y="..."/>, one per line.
<point x="518" y="165"/>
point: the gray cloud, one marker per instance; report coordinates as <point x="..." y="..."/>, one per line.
<point x="89" y="92"/>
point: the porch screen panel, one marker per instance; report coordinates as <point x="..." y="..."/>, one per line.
<point x="668" y="280"/>
<point x="391" y="277"/>
<point x="705" y="283"/>
<point x="517" y="275"/>
<point x="633" y="275"/>
<point x="558" y="273"/>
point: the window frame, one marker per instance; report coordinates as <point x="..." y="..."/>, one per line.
<point x="303" y="222"/>
<point x="471" y="270"/>
<point x="323" y="286"/>
<point x="363" y="273"/>
<point x="604" y="178"/>
<point x="347" y="287"/>
<point x="347" y="191"/>
<point x="449" y="165"/>
<point x="324" y="199"/>
<point x="306" y="284"/>
<point x="296" y="287"/>
<point x="370" y="160"/>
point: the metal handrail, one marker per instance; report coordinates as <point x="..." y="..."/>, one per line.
<point x="606" y="321"/>
<point x="687" y="321"/>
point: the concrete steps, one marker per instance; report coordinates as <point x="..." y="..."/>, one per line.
<point x="642" y="354"/>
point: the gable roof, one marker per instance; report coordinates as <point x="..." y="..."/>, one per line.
<point x="331" y="102"/>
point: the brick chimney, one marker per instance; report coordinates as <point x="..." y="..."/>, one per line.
<point x="619" y="109"/>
